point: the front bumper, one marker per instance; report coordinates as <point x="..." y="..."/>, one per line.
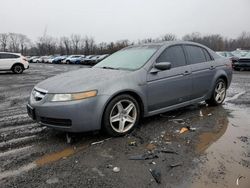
<point x="72" y="116"/>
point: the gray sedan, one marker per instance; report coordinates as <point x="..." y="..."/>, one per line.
<point x="135" y="82"/>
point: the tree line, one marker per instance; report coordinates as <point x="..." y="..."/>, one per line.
<point x="78" y="44"/>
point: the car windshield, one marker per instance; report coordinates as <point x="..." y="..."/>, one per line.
<point x="247" y="55"/>
<point x="128" y="59"/>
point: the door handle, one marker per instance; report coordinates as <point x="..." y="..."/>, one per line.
<point x="186" y="73"/>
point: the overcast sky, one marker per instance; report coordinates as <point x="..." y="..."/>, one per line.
<point x="111" y="20"/>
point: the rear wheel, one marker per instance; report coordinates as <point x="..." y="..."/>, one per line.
<point x="121" y="115"/>
<point x="17" y="69"/>
<point x="219" y="93"/>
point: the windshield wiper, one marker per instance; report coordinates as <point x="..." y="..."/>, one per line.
<point x="106" y="67"/>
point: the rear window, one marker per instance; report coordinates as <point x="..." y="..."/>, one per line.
<point x="9" y="56"/>
<point x="195" y="54"/>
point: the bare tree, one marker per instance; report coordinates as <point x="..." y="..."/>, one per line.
<point x="4" y="39"/>
<point x="14" y="42"/>
<point x="24" y="42"/>
<point x="169" y="37"/>
<point x="67" y="44"/>
<point x="75" y="39"/>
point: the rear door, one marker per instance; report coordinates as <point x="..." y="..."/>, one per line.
<point x="203" y="70"/>
<point x="6" y="61"/>
<point x="169" y="87"/>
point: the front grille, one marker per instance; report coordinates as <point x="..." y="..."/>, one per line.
<point x="56" y="122"/>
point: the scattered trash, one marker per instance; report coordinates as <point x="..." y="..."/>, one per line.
<point x="132" y="143"/>
<point x="151" y="147"/>
<point x="109" y="166"/>
<point x="201" y="114"/>
<point x="100" y="142"/>
<point x="169" y="151"/>
<point x="52" y="180"/>
<point x="116" y="169"/>
<point x="154" y="163"/>
<point x="177" y="121"/>
<point x="238" y="179"/>
<point x="76" y="161"/>
<point x="175" y="165"/>
<point x="156" y="175"/>
<point x="68" y="139"/>
<point x="98" y="171"/>
<point x="144" y="156"/>
<point x="183" y="130"/>
<point x="209" y="114"/>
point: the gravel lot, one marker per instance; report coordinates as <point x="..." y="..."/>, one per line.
<point x="215" y="154"/>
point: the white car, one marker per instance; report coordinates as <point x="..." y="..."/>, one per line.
<point x="13" y="61"/>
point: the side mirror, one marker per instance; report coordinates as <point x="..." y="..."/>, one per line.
<point x="161" y="66"/>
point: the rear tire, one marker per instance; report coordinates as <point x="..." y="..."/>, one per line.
<point x="17" y="69"/>
<point x="121" y="116"/>
<point x="219" y="93"/>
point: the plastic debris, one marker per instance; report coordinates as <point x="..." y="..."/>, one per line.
<point x="209" y="114"/>
<point x="116" y="169"/>
<point x="201" y="114"/>
<point x="156" y="175"/>
<point x="100" y="142"/>
<point x="144" y="156"/>
<point x="175" y="165"/>
<point x="183" y="130"/>
<point x="238" y="179"/>
<point x="68" y="139"/>
<point x="109" y="166"/>
<point x="132" y="143"/>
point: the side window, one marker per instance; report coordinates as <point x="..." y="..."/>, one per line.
<point x="12" y="56"/>
<point x="174" y="55"/>
<point x="208" y="57"/>
<point x="195" y="54"/>
<point x="0" y="56"/>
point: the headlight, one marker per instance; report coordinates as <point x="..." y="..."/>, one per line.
<point x="73" y="96"/>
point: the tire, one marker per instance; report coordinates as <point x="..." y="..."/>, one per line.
<point x="219" y="93"/>
<point x="17" y="69"/>
<point x="125" y="112"/>
<point x="68" y="62"/>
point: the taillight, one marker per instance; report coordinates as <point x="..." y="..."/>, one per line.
<point x="230" y="63"/>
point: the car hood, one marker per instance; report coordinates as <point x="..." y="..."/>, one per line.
<point x="84" y="79"/>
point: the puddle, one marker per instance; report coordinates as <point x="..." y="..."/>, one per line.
<point x="224" y="152"/>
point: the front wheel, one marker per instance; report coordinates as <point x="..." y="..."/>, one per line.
<point x="121" y="115"/>
<point x="17" y="69"/>
<point x="219" y="93"/>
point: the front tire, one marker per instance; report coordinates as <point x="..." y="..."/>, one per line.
<point x="17" y="69"/>
<point x="219" y="93"/>
<point x="121" y="115"/>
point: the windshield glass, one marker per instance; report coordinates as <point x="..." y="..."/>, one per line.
<point x="247" y="55"/>
<point x="128" y="59"/>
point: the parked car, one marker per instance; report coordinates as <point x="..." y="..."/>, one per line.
<point x="229" y="55"/>
<point x="243" y="63"/>
<point x="30" y="60"/>
<point x="135" y="82"/>
<point x="14" y="62"/>
<point x="73" y="59"/>
<point x="36" y="59"/>
<point x="87" y="59"/>
<point x="59" y="59"/>
<point x="101" y="57"/>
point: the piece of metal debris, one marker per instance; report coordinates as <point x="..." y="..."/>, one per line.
<point x="116" y="169"/>
<point x="169" y="151"/>
<point x="156" y="175"/>
<point x="144" y="156"/>
<point x="175" y="165"/>
<point x="100" y="142"/>
<point x="238" y="179"/>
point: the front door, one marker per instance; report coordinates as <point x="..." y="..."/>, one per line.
<point x="169" y="87"/>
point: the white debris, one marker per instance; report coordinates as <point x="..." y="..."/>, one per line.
<point x="116" y="169"/>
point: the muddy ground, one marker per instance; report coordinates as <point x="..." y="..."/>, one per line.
<point x="214" y="153"/>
